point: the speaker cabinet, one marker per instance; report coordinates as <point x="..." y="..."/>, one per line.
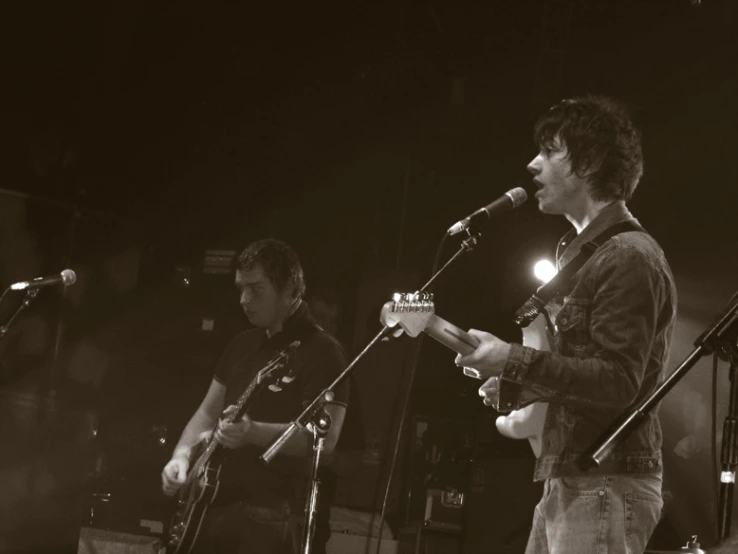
<point x="101" y="541"/>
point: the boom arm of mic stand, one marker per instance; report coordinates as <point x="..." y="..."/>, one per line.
<point x="721" y="332"/>
<point x="602" y="448"/>
<point x="307" y="414"/>
<point x="30" y="295"/>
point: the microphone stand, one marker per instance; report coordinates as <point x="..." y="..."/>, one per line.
<point x="320" y="427"/>
<point x="729" y="453"/>
<point x="722" y="339"/>
<point x="30" y="295"/>
<point x="312" y="414"/>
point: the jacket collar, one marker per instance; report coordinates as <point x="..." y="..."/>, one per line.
<point x="571" y="243"/>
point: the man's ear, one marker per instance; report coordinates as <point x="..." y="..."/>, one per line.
<point x="290" y="291"/>
<point x="587" y="171"/>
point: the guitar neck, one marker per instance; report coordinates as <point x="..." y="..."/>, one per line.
<point x="451" y="336"/>
<point x="209" y="445"/>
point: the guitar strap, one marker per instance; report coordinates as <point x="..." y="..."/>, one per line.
<point x="562" y="283"/>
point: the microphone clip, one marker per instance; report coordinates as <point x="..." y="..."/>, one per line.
<point x="471" y="240"/>
<point x="30" y="295"/>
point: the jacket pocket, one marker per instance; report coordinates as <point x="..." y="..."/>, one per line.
<point x="572" y="326"/>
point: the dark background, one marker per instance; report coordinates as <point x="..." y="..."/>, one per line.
<point x="136" y="135"/>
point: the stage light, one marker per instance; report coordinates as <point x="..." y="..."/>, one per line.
<point x="544" y="271"/>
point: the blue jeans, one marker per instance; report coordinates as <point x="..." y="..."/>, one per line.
<point x="243" y="528"/>
<point x="603" y="514"/>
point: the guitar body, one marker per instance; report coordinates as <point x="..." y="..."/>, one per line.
<point x="416" y="314"/>
<point x="527" y="423"/>
<point x="195" y="498"/>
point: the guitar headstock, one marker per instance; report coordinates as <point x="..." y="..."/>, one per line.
<point x="279" y="369"/>
<point x="411" y="311"/>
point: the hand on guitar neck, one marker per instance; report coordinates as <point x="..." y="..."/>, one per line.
<point x="488" y="358"/>
<point x="233" y="432"/>
<point x="482" y="355"/>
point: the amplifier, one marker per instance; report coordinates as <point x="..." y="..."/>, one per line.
<point x="102" y="541"/>
<point x="443" y="509"/>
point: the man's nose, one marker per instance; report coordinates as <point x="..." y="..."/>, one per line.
<point x="534" y="167"/>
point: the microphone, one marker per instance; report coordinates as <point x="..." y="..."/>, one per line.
<point x="66" y="277"/>
<point x="514" y="198"/>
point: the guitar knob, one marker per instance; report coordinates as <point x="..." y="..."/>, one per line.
<point x="287" y="379"/>
<point x="275" y="388"/>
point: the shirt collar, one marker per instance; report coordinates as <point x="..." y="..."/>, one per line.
<point x="299" y="317"/>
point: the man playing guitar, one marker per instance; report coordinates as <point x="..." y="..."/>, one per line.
<point x="610" y="339"/>
<point x="253" y="502"/>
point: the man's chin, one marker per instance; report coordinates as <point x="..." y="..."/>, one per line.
<point x="547" y="208"/>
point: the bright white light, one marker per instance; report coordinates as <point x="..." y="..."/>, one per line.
<point x="544" y="271"/>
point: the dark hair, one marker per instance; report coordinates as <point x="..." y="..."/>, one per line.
<point x="280" y="263"/>
<point x="602" y="143"/>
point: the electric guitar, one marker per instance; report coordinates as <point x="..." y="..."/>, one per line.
<point x="415" y="313"/>
<point x="201" y="485"/>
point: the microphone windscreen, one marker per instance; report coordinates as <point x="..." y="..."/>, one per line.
<point x="518" y="196"/>
<point x="68" y="277"/>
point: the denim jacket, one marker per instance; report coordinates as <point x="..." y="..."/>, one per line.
<point x="610" y="338"/>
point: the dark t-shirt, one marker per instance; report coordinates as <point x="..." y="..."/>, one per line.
<point x="314" y="365"/>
